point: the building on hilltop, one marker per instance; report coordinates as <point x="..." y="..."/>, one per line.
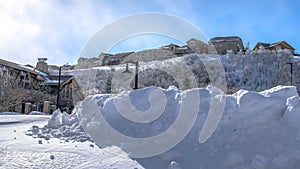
<point x="274" y="46"/>
<point x="197" y="46"/>
<point x="223" y="44"/>
<point x="171" y="47"/>
<point x="183" y="50"/>
<point x="177" y="50"/>
<point x="116" y="59"/>
<point x="149" y="55"/>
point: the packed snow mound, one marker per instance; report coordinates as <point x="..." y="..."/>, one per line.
<point x="61" y="125"/>
<point x="256" y="130"/>
<point x="37" y="113"/>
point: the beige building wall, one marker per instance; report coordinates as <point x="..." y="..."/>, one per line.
<point x="150" y="55"/>
<point x="198" y="46"/>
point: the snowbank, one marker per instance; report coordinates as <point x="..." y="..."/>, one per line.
<point x="257" y="130"/>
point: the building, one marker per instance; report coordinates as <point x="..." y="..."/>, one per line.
<point x="183" y="50"/>
<point x="86" y="63"/>
<point x="70" y="92"/>
<point x="177" y="50"/>
<point x="42" y="65"/>
<point x="274" y="46"/>
<point x="116" y="59"/>
<point x="20" y="87"/>
<point x="26" y="76"/>
<point x="171" y="47"/>
<point x="149" y="55"/>
<point x="223" y="44"/>
<point x="197" y="46"/>
<point x="40" y="84"/>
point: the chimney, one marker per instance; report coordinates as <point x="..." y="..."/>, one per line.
<point x="42" y="65"/>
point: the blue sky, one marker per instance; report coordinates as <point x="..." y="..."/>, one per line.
<point x="59" y="29"/>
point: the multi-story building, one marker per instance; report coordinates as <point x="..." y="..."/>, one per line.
<point x="223" y="44"/>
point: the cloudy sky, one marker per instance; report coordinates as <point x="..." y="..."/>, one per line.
<point x="59" y="29"/>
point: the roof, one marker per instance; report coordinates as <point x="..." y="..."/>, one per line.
<point x="119" y="55"/>
<point x="167" y="46"/>
<point x="282" y="43"/>
<point x="184" y="47"/>
<point x="225" y="38"/>
<point x="194" y="39"/>
<point x="267" y="45"/>
<point x="17" y="66"/>
<point x="53" y="79"/>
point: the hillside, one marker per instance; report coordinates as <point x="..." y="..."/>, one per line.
<point x="254" y="70"/>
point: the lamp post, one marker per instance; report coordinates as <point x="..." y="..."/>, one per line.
<point x="291" y="69"/>
<point x="58" y="90"/>
<point x="136" y="79"/>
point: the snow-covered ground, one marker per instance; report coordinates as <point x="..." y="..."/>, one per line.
<point x="18" y="150"/>
<point x="256" y="131"/>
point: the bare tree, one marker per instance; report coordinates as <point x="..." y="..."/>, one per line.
<point x="12" y="94"/>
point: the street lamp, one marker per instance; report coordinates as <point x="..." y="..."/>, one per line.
<point x="136" y="72"/>
<point x="58" y="90"/>
<point x="291" y="69"/>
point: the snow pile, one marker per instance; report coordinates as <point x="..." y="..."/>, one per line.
<point x="37" y="113"/>
<point x="61" y="125"/>
<point x="257" y="130"/>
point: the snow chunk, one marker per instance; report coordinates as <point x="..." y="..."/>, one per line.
<point x="62" y="126"/>
<point x="174" y="165"/>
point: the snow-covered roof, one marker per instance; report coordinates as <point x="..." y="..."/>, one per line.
<point x="18" y="66"/>
<point x="226" y="38"/>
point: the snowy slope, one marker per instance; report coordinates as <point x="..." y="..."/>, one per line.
<point x="254" y="70"/>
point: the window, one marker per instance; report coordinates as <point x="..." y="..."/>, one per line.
<point x="278" y="48"/>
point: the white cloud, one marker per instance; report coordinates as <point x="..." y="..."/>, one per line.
<point x="143" y="41"/>
<point x="54" y="29"/>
